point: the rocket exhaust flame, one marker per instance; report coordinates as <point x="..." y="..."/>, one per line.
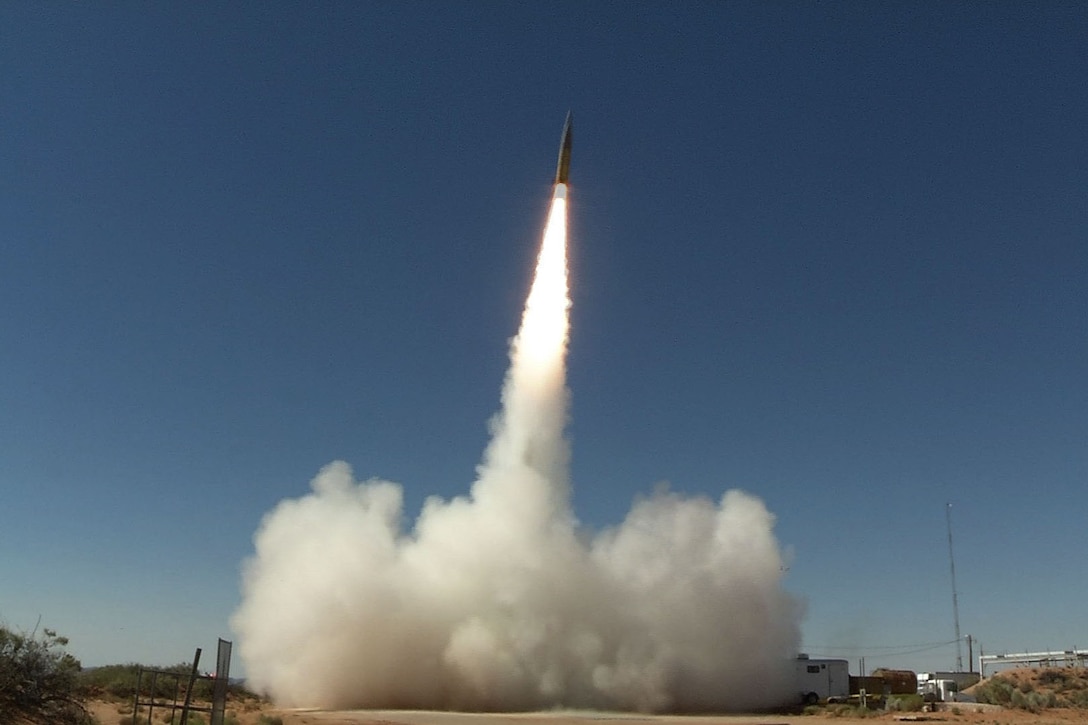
<point x="496" y="600"/>
<point x="541" y="343"/>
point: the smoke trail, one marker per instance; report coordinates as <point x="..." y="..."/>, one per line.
<point x="495" y="601"/>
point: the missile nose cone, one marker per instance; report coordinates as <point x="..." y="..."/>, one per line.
<point x="562" y="170"/>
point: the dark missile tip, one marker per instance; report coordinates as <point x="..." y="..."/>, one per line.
<point x="562" y="171"/>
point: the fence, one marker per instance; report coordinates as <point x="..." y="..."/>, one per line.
<point x="154" y="685"/>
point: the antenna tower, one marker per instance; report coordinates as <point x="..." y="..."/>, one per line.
<point x="955" y="600"/>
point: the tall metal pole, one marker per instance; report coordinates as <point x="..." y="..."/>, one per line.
<point x="189" y="689"/>
<point x="955" y="599"/>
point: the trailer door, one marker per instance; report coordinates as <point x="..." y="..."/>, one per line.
<point x="838" y="679"/>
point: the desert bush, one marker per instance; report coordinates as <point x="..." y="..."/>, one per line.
<point x="1034" y="702"/>
<point x="269" y="720"/>
<point x="906" y="703"/>
<point x="117" y="681"/>
<point x="195" y="718"/>
<point x="995" y="691"/>
<point x="849" y="711"/>
<point x="1053" y="677"/>
<point x="39" y="680"/>
<point x="1025" y="686"/>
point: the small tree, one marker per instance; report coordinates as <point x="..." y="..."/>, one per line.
<point x="38" y="680"/>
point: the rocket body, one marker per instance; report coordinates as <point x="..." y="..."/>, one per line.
<point x="562" y="169"/>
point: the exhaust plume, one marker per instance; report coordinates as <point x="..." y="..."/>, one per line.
<point x="497" y="600"/>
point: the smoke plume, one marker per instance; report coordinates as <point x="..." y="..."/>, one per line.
<point x="497" y="600"/>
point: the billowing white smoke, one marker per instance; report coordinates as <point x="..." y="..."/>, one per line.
<point x="496" y="601"/>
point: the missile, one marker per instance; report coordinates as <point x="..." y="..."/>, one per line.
<point x="562" y="169"/>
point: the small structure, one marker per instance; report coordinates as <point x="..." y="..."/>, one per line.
<point x="871" y="685"/>
<point x="963" y="680"/>
<point x="1066" y="658"/>
<point x="938" y="690"/>
<point x="822" y="679"/>
<point x="898" y="682"/>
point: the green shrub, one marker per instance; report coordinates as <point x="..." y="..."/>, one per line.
<point x="119" y="682"/>
<point x="269" y="720"/>
<point x="1034" y="702"/>
<point x="995" y="691"/>
<point x="195" y="718"/>
<point x="39" y="680"/>
<point x="906" y="703"/>
<point x="115" y="680"/>
<point x="851" y="711"/>
<point x="1054" y="677"/>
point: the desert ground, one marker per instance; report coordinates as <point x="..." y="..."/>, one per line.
<point x="111" y="713"/>
<point x="251" y="710"/>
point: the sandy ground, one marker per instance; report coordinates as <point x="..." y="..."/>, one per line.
<point x="111" y="714"/>
<point x="371" y="717"/>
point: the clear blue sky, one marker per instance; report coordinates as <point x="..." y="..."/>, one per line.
<point x="833" y="254"/>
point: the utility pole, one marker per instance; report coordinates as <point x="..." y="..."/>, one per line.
<point x="955" y="599"/>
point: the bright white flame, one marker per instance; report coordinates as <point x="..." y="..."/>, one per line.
<point x="497" y="600"/>
<point x="541" y="343"/>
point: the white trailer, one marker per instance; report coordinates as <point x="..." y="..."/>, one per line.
<point x="963" y="680"/>
<point x="938" y="690"/>
<point x="819" y="680"/>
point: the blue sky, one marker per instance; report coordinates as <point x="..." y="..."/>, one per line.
<point x="832" y="254"/>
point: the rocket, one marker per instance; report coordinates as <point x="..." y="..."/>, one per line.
<point x="562" y="169"/>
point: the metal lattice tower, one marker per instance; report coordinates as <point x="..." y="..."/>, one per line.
<point x="955" y="599"/>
